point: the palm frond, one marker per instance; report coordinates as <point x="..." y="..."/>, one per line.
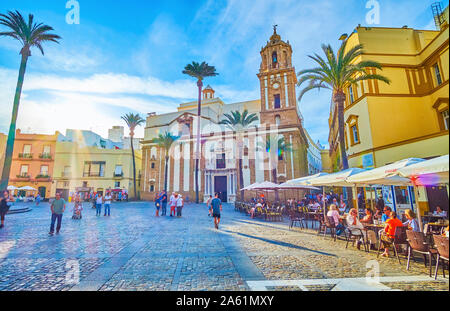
<point x="30" y="34"/>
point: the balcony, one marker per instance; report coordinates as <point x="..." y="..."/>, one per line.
<point x="45" y="156"/>
<point x="42" y="177"/>
<point x="23" y="177"/>
<point x="118" y="175"/>
<point x="25" y="156"/>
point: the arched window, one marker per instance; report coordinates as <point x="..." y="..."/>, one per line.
<point x="274" y="59"/>
<point x="285" y="58"/>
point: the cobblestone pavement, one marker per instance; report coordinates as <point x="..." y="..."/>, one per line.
<point x="134" y="250"/>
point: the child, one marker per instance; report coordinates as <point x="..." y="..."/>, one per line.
<point x="77" y="211"/>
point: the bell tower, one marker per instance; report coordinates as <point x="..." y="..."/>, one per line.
<point x="277" y="83"/>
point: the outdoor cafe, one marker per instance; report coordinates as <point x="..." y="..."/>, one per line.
<point x="307" y="203"/>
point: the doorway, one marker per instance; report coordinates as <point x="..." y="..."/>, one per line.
<point x="220" y="187"/>
<point x="42" y="191"/>
<point x="437" y="196"/>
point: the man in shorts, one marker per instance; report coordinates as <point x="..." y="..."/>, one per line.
<point x="216" y="208"/>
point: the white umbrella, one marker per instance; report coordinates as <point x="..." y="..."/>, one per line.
<point x="429" y="172"/>
<point x="293" y="186"/>
<point x="304" y="180"/>
<point x="338" y="179"/>
<point x="384" y="175"/>
<point x="267" y="185"/>
<point x="27" y="188"/>
<point x="11" y="188"/>
<point x="250" y="187"/>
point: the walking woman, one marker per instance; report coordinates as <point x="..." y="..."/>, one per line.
<point x="5" y="203"/>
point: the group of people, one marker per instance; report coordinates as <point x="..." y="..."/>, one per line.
<point x="176" y="204"/>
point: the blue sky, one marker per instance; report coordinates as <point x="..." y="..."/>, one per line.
<point x="128" y="55"/>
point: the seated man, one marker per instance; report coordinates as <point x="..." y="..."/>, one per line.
<point x="440" y="212"/>
<point x="386" y="214"/>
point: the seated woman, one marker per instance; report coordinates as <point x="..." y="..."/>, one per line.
<point x="387" y="236"/>
<point x="337" y="221"/>
<point x="412" y="222"/>
<point x="368" y="219"/>
<point x="356" y="228"/>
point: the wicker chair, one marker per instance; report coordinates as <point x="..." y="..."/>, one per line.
<point x="441" y="244"/>
<point x="418" y="244"/>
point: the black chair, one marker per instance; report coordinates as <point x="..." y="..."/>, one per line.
<point x="417" y="244"/>
<point x="399" y="239"/>
<point x="327" y="222"/>
<point x="354" y="234"/>
<point x="295" y="219"/>
<point x="441" y="244"/>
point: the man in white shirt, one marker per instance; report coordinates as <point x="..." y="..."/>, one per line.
<point x="108" y="199"/>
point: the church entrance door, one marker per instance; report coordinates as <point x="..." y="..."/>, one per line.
<point x="220" y="186"/>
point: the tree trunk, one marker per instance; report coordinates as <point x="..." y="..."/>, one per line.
<point x="165" y="172"/>
<point x="134" y="166"/>
<point x="197" y="156"/>
<point x="275" y="181"/>
<point x="339" y="99"/>
<point x="12" y="129"/>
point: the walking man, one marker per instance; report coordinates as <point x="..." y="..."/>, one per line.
<point x="108" y="199"/>
<point x="164" y="203"/>
<point x="216" y="208"/>
<point x="58" y="207"/>
<point x="180" y="204"/>
<point x="98" y="205"/>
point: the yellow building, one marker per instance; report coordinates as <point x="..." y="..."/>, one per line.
<point x="409" y="117"/>
<point x="85" y="169"/>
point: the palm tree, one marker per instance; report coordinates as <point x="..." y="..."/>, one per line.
<point x="29" y="35"/>
<point x="336" y="72"/>
<point x="238" y="123"/>
<point x="199" y="71"/>
<point x="133" y="121"/>
<point x="165" y="141"/>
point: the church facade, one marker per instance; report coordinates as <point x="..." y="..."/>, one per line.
<point x="221" y="148"/>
